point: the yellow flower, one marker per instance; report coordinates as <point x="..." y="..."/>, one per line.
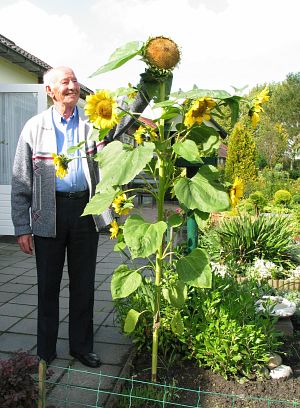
<point x="144" y="134"/>
<point x="199" y="111"/>
<point x="256" y="107"/>
<point x="102" y="110"/>
<point x="263" y="96"/>
<point x="114" y="229"/>
<point x="139" y="135"/>
<point x="61" y="165"/>
<point x="121" y="205"/>
<point x="237" y="191"/>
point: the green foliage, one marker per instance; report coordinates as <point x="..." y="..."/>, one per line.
<point x="258" y="200"/>
<point x="18" y="388"/>
<point x="282" y="197"/>
<point x="241" y="154"/>
<point x="225" y="333"/>
<point x="244" y="238"/>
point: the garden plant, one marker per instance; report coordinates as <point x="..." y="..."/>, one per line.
<point x="184" y="131"/>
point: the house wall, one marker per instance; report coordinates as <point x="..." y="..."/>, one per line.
<point x="13" y="74"/>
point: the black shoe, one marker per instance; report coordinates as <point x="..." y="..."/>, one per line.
<point x="48" y="360"/>
<point x="89" y="359"/>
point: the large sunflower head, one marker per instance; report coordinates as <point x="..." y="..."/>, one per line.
<point x="199" y="111"/>
<point x="101" y="109"/>
<point x="161" y="54"/>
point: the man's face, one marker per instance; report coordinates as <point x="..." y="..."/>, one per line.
<point x="65" y="89"/>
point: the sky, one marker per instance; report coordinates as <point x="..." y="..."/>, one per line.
<point x="224" y="43"/>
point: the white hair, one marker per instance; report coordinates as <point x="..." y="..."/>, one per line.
<point x="50" y="76"/>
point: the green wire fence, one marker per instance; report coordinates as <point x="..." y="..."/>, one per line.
<point x="74" y="388"/>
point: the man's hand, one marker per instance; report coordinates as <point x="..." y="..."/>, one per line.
<point x="26" y="243"/>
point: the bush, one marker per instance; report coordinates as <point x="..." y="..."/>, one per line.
<point x="225" y="333"/>
<point x="18" y="388"/>
<point x="243" y="239"/>
<point x="296" y="198"/>
<point x="282" y="197"/>
<point x="258" y="200"/>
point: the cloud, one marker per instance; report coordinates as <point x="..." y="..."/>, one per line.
<point x="223" y="42"/>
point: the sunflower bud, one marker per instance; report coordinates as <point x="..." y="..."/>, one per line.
<point x="161" y="53"/>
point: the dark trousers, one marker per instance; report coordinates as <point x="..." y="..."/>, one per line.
<point x="77" y="237"/>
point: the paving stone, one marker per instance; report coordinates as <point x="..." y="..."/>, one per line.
<point x="33" y="290"/>
<point x="5" y="278"/>
<point x="7" y="321"/>
<point x="25" y="326"/>
<point x="112" y="353"/>
<point x="14" y="341"/>
<point x="11" y="309"/>
<point x="6" y="296"/>
<point x="112" y="335"/>
<point x="14" y="287"/>
<point x="25" y="299"/>
<point x="103" y="306"/>
<point x="30" y="280"/>
<point x="103" y="295"/>
<point x="63" y="330"/>
<point x="11" y="270"/>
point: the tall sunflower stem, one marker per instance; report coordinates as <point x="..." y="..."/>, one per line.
<point x="159" y="253"/>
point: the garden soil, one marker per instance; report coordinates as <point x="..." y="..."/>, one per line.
<point x="216" y="392"/>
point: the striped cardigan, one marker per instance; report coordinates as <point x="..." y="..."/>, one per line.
<point x="33" y="199"/>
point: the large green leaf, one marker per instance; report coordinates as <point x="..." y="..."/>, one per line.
<point x="124" y="282"/>
<point x="203" y="191"/>
<point x="194" y="269"/>
<point x="177" y="324"/>
<point x="100" y="202"/>
<point x="141" y="237"/>
<point x="120" y="164"/>
<point x="201" y="219"/>
<point x="131" y="321"/>
<point x="188" y="150"/>
<point x="176" y="295"/>
<point x="120" y="57"/>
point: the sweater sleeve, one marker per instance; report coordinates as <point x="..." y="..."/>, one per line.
<point x="21" y="185"/>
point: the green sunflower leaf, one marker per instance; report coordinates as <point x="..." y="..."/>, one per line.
<point x="120" y="57"/>
<point x="203" y="191"/>
<point x="194" y="269"/>
<point x="176" y="295"/>
<point x="177" y="324"/>
<point x="124" y="282"/>
<point x="141" y="237"/>
<point x="188" y="150"/>
<point x="100" y="202"/>
<point x="120" y="164"/>
<point x="131" y="321"/>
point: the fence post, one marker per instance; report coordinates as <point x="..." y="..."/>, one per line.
<point x="42" y="384"/>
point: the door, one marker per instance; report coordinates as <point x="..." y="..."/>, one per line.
<point x="18" y="103"/>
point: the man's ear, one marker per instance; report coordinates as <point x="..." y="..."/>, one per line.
<point x="49" y="91"/>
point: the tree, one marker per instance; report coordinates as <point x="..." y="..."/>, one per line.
<point x="284" y="109"/>
<point x="271" y="141"/>
<point x="241" y="153"/>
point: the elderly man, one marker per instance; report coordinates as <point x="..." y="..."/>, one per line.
<point x="55" y="226"/>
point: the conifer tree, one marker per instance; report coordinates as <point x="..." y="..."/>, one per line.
<point x="241" y="153"/>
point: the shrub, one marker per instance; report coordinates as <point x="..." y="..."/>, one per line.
<point x="18" y="388"/>
<point x="243" y="239"/>
<point x="258" y="200"/>
<point x="282" y="197"/>
<point x="296" y="198"/>
<point x="225" y="333"/>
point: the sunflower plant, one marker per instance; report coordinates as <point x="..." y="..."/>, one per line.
<point x="185" y="132"/>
